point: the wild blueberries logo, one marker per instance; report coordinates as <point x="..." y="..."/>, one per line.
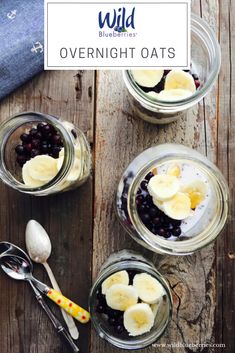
<point x="121" y="21"/>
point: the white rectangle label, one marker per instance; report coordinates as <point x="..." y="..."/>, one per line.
<point x="94" y="35"/>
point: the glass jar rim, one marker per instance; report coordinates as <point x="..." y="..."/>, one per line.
<point x="119" y="266"/>
<point x="68" y="155"/>
<point x="201" y="28"/>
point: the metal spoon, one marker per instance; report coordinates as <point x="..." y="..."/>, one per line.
<point x="39" y="248"/>
<point x="19" y="268"/>
<point x="73" y="309"/>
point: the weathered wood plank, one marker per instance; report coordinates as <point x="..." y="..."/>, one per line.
<point x="225" y="259"/>
<point x="67" y="218"/>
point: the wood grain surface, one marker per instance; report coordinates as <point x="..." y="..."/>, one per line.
<point x="83" y="226"/>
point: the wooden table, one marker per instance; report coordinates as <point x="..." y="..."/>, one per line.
<point x="82" y="224"/>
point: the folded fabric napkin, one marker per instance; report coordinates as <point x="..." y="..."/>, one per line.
<point x="21" y="42"/>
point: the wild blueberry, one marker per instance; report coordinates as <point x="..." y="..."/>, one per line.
<point x="176" y="231"/>
<point x="19" y="149"/>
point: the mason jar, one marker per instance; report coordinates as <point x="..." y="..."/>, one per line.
<point x="205" y="63"/>
<point x="163" y="234"/>
<point x="130" y="261"/>
<point x="42" y="154"/>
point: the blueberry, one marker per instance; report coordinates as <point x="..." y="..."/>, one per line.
<point x="19" y="149"/>
<point x="161" y="232"/>
<point x="112" y="321"/>
<point x="144" y="184"/>
<point x="120" y="329"/>
<point x="35" y="143"/>
<point x="176" y="231"/>
<point x="38" y="135"/>
<point x="145" y="218"/>
<point x="168" y="234"/>
<point x="139" y="199"/>
<point x="166" y="72"/>
<point x="74" y="133"/>
<point x="55" y="152"/>
<point x="197" y="84"/>
<point x="24" y="137"/>
<point x="154" y="230"/>
<point x="34" y="152"/>
<point x="21" y="160"/>
<point x="175" y="222"/>
<point x="46" y="129"/>
<point x="44" y="148"/>
<point x="157" y="221"/>
<point x="142" y="208"/>
<point x="149" y="200"/>
<point x="139" y="191"/>
<point x="153" y="212"/>
<point x="40" y="127"/>
<point x="56" y="139"/>
<point x="33" y="132"/>
<point x="149" y="176"/>
<point x="28" y="147"/>
<point x="100" y="309"/>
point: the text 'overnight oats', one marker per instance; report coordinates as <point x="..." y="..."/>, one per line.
<point x="172" y="198"/>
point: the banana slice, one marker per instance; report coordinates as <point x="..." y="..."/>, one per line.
<point x="163" y="187"/>
<point x="148" y="288"/>
<point x="152" y="94"/>
<point x="174" y="169"/>
<point x="158" y="203"/>
<point x="180" y="79"/>
<point x="61" y="154"/>
<point x="147" y="78"/>
<point x="179" y="207"/>
<point x="121" y="296"/>
<point x="196" y="191"/>
<point x="28" y="180"/>
<point x="59" y="162"/>
<point x="120" y="277"/>
<point x="173" y="94"/>
<point x="138" y="319"/>
<point x="42" y="168"/>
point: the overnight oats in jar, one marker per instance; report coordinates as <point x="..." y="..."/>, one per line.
<point x="43" y="155"/>
<point x="171" y="199"/>
<point x="163" y="96"/>
<point x="130" y="301"/>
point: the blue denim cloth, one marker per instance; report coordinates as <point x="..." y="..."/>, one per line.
<point x="21" y="42"/>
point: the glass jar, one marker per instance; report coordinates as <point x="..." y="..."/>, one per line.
<point x="75" y="162"/>
<point x="208" y="222"/>
<point x="130" y="261"/>
<point x="205" y="61"/>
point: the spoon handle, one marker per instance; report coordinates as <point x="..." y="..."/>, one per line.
<point x="60" y="329"/>
<point x="67" y="318"/>
<point x="73" y="309"/>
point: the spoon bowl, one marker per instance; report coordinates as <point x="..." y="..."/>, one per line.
<point x="16" y="267"/>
